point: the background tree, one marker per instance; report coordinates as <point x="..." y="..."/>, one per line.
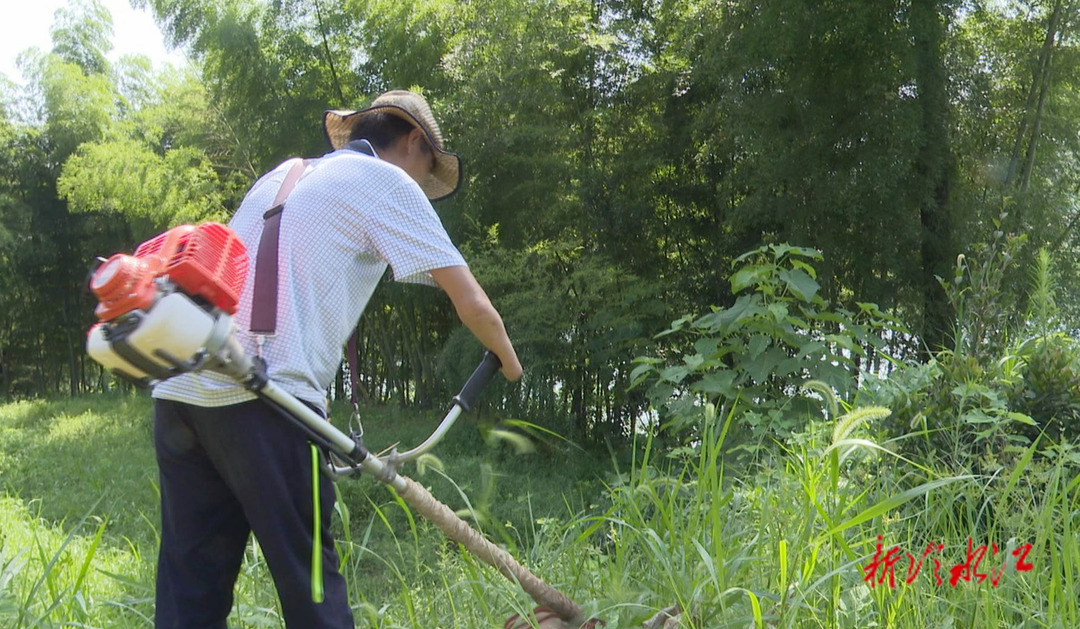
<point x="620" y="156"/>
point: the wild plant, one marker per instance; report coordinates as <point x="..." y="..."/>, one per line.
<point x="755" y="353"/>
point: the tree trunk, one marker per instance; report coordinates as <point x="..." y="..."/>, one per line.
<point x="5" y="369"/>
<point x="1026" y="115"/>
<point x="1055" y="31"/>
<point x="73" y="371"/>
<point x="934" y="160"/>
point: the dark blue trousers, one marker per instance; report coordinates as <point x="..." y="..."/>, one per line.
<point x="227" y="472"/>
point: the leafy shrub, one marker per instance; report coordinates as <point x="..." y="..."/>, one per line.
<point x="1049" y="388"/>
<point x="1008" y="379"/>
<point x="984" y="294"/>
<point x="753" y="356"/>
<point x="957" y="402"/>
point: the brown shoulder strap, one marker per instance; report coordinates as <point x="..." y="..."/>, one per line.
<point x="264" y="300"/>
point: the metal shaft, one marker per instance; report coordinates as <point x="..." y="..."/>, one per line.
<point x="341" y="442"/>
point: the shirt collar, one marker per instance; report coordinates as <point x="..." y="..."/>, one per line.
<point x="362" y="146"/>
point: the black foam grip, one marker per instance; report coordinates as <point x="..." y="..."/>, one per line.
<point x="479" y="379"/>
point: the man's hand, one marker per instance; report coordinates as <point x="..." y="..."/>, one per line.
<point x="476" y="312"/>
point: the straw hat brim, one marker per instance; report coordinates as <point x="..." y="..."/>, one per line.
<point x="443" y="180"/>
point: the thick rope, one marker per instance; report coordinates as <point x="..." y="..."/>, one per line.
<point x="458" y="530"/>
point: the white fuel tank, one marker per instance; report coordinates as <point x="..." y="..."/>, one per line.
<point x="175" y="324"/>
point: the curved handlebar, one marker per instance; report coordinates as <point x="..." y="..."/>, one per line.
<point x="479" y="379"/>
<point x="463" y="402"/>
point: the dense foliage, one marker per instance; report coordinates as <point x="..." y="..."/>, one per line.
<point x="621" y="156"/>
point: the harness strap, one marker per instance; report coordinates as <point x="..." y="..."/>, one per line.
<point x="264" y="300"/>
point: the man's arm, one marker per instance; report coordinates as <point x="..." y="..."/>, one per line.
<point x="476" y="312"/>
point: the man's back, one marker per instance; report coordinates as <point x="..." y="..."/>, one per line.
<point x="347" y="217"/>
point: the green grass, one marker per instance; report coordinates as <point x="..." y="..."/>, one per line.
<point x="780" y="544"/>
<point x="65" y="455"/>
<point x="76" y="470"/>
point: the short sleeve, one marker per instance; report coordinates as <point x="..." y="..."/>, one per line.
<point x="406" y="232"/>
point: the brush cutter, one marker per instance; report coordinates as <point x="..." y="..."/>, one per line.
<point x="168" y="309"/>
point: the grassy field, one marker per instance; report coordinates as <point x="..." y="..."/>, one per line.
<point x="790" y="542"/>
<point x="78" y="506"/>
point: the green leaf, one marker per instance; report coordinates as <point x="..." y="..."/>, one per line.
<point x="810" y="270"/>
<point x="893" y="502"/>
<point x="800" y="283"/>
<point x="750" y="276"/>
<point x="675" y="373"/>
<point x="1022" y="418"/>
<point x="759" y="368"/>
<point x="750" y="254"/>
<point x="707" y="347"/>
<point x="978" y="417"/>
<point x="779" y="311"/>
<point x="813" y="348"/>
<point x="758" y="343"/>
<point x="639" y="373"/>
<point x="745" y="308"/>
<point x="719" y="383"/>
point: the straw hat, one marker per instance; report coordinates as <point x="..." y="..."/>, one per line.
<point x="410" y="106"/>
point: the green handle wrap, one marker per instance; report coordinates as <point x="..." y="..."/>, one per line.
<point x="316" y="546"/>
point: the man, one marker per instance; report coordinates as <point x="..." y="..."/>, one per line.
<point x="229" y="466"/>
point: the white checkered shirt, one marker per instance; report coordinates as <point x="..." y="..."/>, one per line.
<point x="349" y="216"/>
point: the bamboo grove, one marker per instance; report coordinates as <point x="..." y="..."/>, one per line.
<point x="619" y="155"/>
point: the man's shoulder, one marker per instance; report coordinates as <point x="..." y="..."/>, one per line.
<point x="353" y="165"/>
<point x="355" y="161"/>
<point x="278" y="172"/>
<point x="268" y="182"/>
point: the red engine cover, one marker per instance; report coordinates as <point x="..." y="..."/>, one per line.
<point x="207" y="261"/>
